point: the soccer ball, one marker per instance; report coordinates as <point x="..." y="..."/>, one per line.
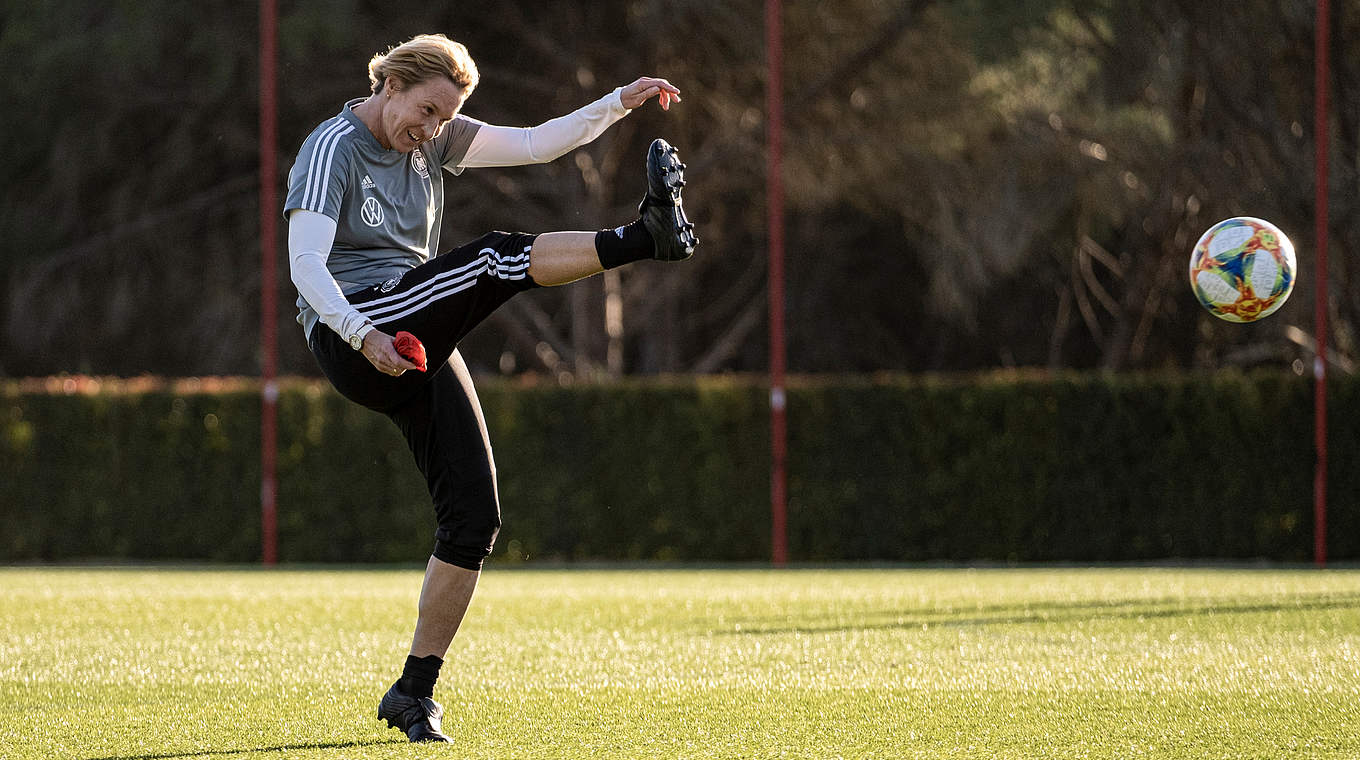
<point x="1242" y="269"/>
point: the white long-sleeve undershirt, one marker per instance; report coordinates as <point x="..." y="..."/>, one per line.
<point x="516" y="146"/>
<point x="310" y="237"/>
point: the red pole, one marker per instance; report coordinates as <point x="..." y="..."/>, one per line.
<point x="774" y="126"/>
<point x="1320" y="74"/>
<point x="268" y="297"/>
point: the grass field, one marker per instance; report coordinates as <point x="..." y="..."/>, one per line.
<point x="640" y="663"/>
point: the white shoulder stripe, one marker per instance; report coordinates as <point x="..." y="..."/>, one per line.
<point x="319" y="165"/>
<point x="327" y="129"/>
<point x="314" y="161"/>
<point x="326" y="173"/>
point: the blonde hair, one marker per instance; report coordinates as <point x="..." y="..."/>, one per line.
<point x="424" y="57"/>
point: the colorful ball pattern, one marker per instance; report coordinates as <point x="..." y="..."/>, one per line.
<point x="1242" y="269"/>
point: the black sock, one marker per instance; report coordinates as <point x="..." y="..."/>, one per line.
<point x="417" y="679"/>
<point x="622" y="245"/>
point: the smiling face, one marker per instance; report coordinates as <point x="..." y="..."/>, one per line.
<point x="412" y="114"/>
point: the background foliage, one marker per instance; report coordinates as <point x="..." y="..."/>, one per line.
<point x="971" y="184"/>
<point x="1001" y="468"/>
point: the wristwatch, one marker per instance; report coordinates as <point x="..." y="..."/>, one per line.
<point x="356" y="338"/>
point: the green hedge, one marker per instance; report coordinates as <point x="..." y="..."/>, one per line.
<point x="1075" y="468"/>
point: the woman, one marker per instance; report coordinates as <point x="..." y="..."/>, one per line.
<point x="364" y="209"/>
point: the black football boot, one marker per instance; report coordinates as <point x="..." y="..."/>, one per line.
<point x="418" y="717"/>
<point x="662" y="212"/>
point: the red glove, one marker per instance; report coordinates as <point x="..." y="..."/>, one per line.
<point x="411" y="349"/>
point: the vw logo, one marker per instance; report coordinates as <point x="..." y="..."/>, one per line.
<point x="371" y="212"/>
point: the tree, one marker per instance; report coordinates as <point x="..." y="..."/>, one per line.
<point x="970" y="184"/>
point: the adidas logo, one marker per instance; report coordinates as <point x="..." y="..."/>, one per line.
<point x="619" y="231"/>
<point x="368" y="183"/>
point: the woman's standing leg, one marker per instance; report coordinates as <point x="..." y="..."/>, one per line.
<point x="446" y="431"/>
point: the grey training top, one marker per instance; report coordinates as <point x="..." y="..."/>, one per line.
<point x="388" y="206"/>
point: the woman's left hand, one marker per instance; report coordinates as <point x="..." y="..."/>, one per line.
<point x="639" y="92"/>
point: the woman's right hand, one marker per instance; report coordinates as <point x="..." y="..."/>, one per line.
<point x="381" y="352"/>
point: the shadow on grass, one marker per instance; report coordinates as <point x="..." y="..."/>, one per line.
<point x="248" y="750"/>
<point x="1049" y="612"/>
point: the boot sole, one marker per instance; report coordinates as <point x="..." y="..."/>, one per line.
<point x="666" y="173"/>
